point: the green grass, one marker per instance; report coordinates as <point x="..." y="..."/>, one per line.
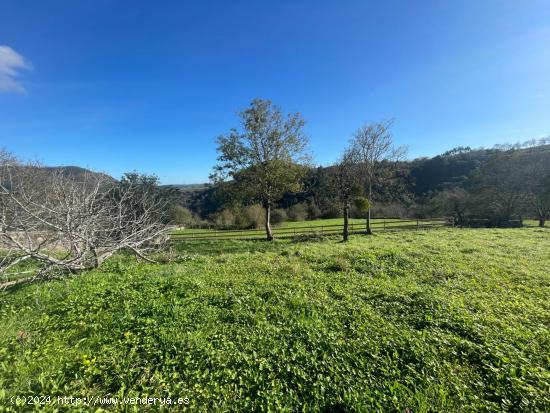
<point x="532" y="223"/>
<point x="323" y="222"/>
<point x="284" y="225"/>
<point x="313" y="223"/>
<point x="443" y="320"/>
<point x="300" y="227"/>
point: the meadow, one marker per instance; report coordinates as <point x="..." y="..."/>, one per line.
<point x="330" y="226"/>
<point x="419" y="321"/>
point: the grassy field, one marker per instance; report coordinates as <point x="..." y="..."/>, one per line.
<point x="286" y="225"/>
<point x="443" y="320"/>
<point x="321" y="222"/>
<point x="291" y="228"/>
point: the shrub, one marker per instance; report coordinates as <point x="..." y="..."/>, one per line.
<point x="297" y="212"/>
<point x="332" y="212"/>
<point x="278" y="216"/>
<point x="224" y="218"/>
<point x="313" y="211"/>
<point x="390" y="210"/>
<point x="180" y="215"/>
<point x="255" y="216"/>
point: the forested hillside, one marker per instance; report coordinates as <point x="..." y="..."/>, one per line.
<point x="442" y="185"/>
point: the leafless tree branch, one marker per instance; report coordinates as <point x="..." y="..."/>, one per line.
<point x="72" y="224"/>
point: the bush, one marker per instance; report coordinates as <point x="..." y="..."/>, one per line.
<point x="254" y="215"/>
<point x="240" y="218"/>
<point x="224" y="218"/>
<point x="391" y="210"/>
<point x="297" y="212"/>
<point x="313" y="211"/>
<point x="278" y="216"/>
<point x="332" y="212"/>
<point x="180" y="215"/>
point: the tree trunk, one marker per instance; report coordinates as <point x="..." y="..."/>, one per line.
<point x="345" y="233"/>
<point x="459" y="217"/>
<point x="369" y="229"/>
<point x="542" y="221"/>
<point x="268" y="231"/>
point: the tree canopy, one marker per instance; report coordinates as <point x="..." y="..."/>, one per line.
<point x="263" y="158"/>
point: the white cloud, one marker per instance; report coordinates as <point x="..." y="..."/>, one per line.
<point x="11" y="63"/>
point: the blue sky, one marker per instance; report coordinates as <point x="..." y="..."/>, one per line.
<point x="134" y="85"/>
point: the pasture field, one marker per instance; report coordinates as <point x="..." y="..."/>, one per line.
<point x="422" y="321"/>
<point x="319" y="226"/>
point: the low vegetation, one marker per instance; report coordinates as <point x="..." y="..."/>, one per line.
<point x="443" y="320"/>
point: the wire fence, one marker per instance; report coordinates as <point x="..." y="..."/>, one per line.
<point x="311" y="230"/>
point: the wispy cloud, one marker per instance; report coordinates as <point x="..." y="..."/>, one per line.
<point x="11" y="64"/>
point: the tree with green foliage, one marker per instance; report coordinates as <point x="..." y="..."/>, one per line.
<point x="265" y="158"/>
<point x="376" y="155"/>
<point x="145" y="181"/>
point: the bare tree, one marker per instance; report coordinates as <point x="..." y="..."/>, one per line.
<point x="264" y="159"/>
<point x="346" y="183"/>
<point x="376" y="153"/>
<point x="72" y="224"/>
<point x="455" y="201"/>
<point x="499" y="186"/>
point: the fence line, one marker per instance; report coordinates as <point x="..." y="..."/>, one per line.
<point x="354" y="228"/>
